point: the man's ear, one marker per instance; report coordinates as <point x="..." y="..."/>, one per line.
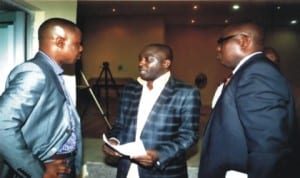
<point x="245" y="42"/>
<point x="167" y="63"/>
<point x="60" y="42"/>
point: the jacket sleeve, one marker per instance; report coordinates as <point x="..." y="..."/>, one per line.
<point x="188" y="132"/>
<point x="23" y="90"/>
<point x="263" y="101"/>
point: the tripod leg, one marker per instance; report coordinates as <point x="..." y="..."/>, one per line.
<point x="95" y="99"/>
<point x="106" y="91"/>
<point x="98" y="81"/>
<point x="114" y="82"/>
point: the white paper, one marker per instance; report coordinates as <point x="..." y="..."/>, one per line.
<point x="235" y="174"/>
<point x="129" y="149"/>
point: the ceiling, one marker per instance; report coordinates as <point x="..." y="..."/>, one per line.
<point x="208" y="12"/>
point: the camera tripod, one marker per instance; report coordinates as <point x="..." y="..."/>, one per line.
<point x="95" y="100"/>
<point x="109" y="81"/>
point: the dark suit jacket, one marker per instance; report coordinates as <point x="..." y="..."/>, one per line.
<point x="251" y="128"/>
<point x="171" y="128"/>
<point x="34" y="119"/>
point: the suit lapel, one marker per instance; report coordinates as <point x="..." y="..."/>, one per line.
<point x="134" y="101"/>
<point x="232" y="83"/>
<point x="40" y="60"/>
<point x="241" y="68"/>
<point x="157" y="109"/>
<point x="48" y="71"/>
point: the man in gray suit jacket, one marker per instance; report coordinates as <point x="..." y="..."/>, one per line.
<point x="39" y="125"/>
<point x="160" y="111"/>
<point x="252" y="128"/>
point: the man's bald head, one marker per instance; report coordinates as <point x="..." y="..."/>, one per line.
<point x="60" y="39"/>
<point x="50" y="27"/>
<point x="238" y="41"/>
<point x="253" y="31"/>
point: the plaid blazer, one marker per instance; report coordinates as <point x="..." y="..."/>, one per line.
<point x="172" y="127"/>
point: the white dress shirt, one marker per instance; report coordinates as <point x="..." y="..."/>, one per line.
<point x="147" y="102"/>
<point x="219" y="89"/>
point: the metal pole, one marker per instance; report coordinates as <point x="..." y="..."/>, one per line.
<point x="105" y="67"/>
<point x="95" y="99"/>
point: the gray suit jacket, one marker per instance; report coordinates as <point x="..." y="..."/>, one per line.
<point x="34" y="119"/>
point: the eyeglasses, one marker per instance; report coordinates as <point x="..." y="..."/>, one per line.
<point x="223" y="39"/>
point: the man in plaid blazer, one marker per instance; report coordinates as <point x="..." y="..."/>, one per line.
<point x="160" y="111"/>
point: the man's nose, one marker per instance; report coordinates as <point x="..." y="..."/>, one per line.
<point x="142" y="61"/>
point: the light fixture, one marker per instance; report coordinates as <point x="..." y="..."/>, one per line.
<point x="226" y="21"/>
<point x="153" y="8"/>
<point x="193" y="21"/>
<point x="293" y="22"/>
<point x="235" y="6"/>
<point x="278" y="7"/>
<point x="195" y="7"/>
<point x="113" y="10"/>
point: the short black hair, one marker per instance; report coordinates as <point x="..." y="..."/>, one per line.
<point x="50" y="23"/>
<point x="164" y="48"/>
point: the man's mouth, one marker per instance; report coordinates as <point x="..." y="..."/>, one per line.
<point x="142" y="70"/>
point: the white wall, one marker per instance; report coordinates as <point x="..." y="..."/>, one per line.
<point x="6" y="53"/>
<point x="12" y="43"/>
<point x="40" y="10"/>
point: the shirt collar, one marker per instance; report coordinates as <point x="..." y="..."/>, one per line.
<point x="159" y="82"/>
<point x="243" y="61"/>
<point x="57" y="68"/>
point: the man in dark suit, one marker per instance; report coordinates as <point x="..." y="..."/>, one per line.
<point x="251" y="131"/>
<point x="162" y="112"/>
<point x="39" y="126"/>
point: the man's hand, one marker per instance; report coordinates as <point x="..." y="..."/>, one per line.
<point x="146" y="160"/>
<point x="56" y="167"/>
<point x="109" y="151"/>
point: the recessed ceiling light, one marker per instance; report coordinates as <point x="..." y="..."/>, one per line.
<point x="278" y="7"/>
<point x="235" y="6"/>
<point x="294" y="21"/>
<point x="195" y="7"/>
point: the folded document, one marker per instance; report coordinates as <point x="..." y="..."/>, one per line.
<point x="235" y="174"/>
<point x="128" y="149"/>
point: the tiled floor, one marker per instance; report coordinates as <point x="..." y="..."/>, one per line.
<point x="98" y="166"/>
